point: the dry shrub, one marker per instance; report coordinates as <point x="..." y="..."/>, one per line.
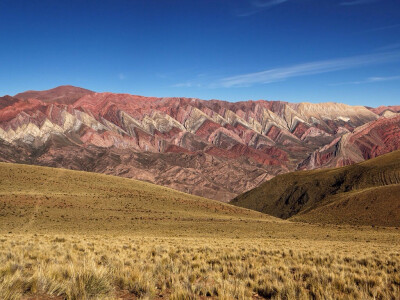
<point x="84" y="267"/>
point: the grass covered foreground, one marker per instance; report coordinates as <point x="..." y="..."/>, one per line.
<point x="77" y="235"/>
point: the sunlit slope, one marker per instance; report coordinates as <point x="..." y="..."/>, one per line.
<point x="370" y="206"/>
<point x="367" y="193"/>
<point x="48" y="199"/>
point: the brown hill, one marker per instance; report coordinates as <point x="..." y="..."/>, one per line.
<point x="78" y="235"/>
<point x="65" y="94"/>
<point x="41" y="199"/>
<point x="371" y="206"/>
<point x="367" y="193"/>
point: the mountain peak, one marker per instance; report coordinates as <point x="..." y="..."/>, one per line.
<point x="192" y="143"/>
<point x="63" y="94"/>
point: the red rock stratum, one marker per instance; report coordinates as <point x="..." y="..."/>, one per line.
<point x="215" y="149"/>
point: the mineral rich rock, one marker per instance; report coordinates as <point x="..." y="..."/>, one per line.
<point x="215" y="149"/>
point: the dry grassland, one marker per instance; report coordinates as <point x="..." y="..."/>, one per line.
<point x="104" y="267"/>
<point x="75" y="235"/>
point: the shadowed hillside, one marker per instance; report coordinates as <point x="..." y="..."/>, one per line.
<point x="367" y="193"/>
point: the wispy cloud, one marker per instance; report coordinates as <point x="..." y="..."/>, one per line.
<point x="200" y="80"/>
<point x="383" y="28"/>
<point x="186" y="84"/>
<point x="369" y="80"/>
<point x="255" y="6"/>
<point x="389" y="47"/>
<point x="121" y="76"/>
<point x="310" y="68"/>
<point x="358" y="2"/>
<point x="266" y="3"/>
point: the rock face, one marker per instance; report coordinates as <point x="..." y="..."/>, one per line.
<point x="215" y="149"/>
<point x="386" y="110"/>
<point x="365" y="142"/>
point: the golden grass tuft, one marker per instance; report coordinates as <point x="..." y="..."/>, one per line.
<point x="76" y="235"/>
<point x="92" y="267"/>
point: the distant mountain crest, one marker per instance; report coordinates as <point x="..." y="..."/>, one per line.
<point x="214" y="148"/>
<point x="65" y="94"/>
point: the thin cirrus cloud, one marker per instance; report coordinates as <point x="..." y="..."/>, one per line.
<point x="370" y="80"/>
<point x="358" y="2"/>
<point x="383" y="28"/>
<point x="311" y="68"/>
<point x="256" y="6"/>
<point x="121" y="76"/>
<point x="186" y="85"/>
<point x="267" y="3"/>
<point x="252" y="7"/>
<point x="389" y="47"/>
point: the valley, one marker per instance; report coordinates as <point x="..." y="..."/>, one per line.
<point x="78" y="235"/>
<point x="75" y="223"/>
<point x="200" y="150"/>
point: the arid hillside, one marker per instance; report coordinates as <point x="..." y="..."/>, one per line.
<point x="78" y="235"/>
<point x="41" y="199"/>
<point x="214" y="149"/>
<point x="366" y="193"/>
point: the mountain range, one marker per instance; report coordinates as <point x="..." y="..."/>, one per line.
<point x="211" y="148"/>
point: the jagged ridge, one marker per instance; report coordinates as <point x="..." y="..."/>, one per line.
<point x="251" y="140"/>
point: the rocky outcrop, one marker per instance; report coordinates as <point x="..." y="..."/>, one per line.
<point x="365" y="142"/>
<point x="385" y="110"/>
<point x="213" y="148"/>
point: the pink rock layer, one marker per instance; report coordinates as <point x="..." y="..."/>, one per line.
<point x="215" y="149"/>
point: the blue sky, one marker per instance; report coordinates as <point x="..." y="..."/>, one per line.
<point x="294" y="50"/>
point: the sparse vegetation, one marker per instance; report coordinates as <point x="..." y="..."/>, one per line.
<point x="92" y="267"/>
<point x="76" y="235"/>
<point x="366" y="193"/>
